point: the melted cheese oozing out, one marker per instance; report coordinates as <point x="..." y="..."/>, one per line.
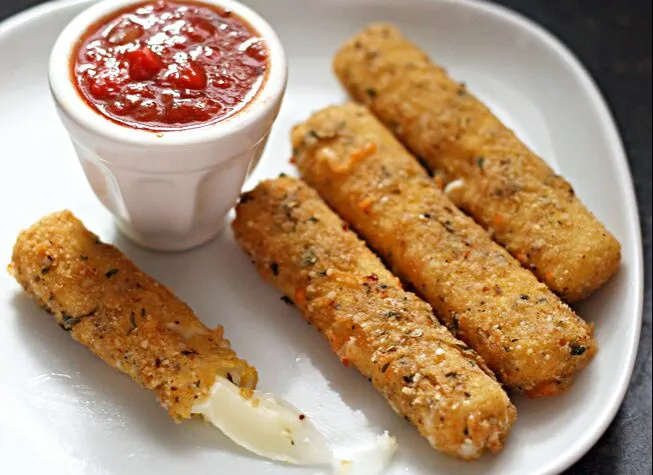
<point x="454" y="186"/>
<point x="264" y="425"/>
<point x="272" y="428"/>
<point x="372" y="459"/>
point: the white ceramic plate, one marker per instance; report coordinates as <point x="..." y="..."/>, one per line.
<point x="64" y="411"/>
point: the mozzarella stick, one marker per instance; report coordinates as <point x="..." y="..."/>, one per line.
<point x="532" y="340"/>
<point x="122" y="315"/>
<point x="491" y="174"/>
<point x="389" y="335"/>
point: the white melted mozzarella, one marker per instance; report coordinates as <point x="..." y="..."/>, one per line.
<point x="454" y="186"/>
<point x="264" y="425"/>
<point x="372" y="459"/>
<point x="272" y="428"/>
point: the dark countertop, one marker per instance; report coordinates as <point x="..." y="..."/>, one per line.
<point x="613" y="39"/>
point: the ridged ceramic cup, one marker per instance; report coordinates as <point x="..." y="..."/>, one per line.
<point x="170" y="190"/>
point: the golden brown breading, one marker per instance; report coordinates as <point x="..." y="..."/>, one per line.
<point x="513" y="193"/>
<point x="389" y="335"/>
<point x="532" y="340"/>
<point x="123" y="315"/>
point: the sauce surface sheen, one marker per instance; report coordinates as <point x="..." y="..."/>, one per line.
<point x="167" y="65"/>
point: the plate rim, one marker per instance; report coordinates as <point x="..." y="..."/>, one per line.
<point x="625" y="180"/>
<point x="624" y="177"/>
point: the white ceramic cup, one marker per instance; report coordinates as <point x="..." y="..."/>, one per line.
<point x="168" y="191"/>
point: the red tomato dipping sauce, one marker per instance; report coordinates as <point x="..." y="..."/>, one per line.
<point x="168" y="65"/>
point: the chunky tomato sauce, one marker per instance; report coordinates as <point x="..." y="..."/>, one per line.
<point x="167" y="65"/>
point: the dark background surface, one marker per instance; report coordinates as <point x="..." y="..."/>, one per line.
<point x="613" y="40"/>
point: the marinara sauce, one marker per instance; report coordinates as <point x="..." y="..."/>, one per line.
<point x="169" y="65"/>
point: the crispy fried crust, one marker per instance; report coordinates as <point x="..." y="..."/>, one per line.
<point x="123" y="315"/>
<point x="513" y="193"/>
<point x="532" y="340"/>
<point x="389" y="335"/>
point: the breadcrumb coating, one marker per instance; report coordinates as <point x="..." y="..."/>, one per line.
<point x="389" y="335"/>
<point x="122" y="315"/>
<point x="533" y="341"/>
<point x="508" y="189"/>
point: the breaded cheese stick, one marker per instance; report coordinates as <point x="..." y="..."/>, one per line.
<point x="389" y="335"/>
<point x="123" y="315"/>
<point x="532" y="340"/>
<point x="493" y="176"/>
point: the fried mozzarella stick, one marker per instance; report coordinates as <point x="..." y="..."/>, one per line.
<point x="139" y="327"/>
<point x="492" y="175"/>
<point x="371" y="323"/>
<point x="123" y="315"/>
<point x="532" y="340"/>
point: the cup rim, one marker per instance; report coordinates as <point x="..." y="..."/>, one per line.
<point x="67" y="96"/>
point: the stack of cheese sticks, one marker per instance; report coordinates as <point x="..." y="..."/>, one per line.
<point x="498" y="279"/>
